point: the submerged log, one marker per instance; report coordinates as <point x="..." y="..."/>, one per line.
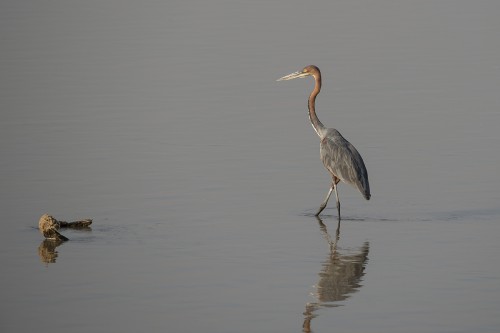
<point x="49" y="226"/>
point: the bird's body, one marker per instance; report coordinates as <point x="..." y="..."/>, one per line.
<point x="339" y="156"/>
<point x="343" y="161"/>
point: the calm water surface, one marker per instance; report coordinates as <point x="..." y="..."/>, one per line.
<point x="163" y="122"/>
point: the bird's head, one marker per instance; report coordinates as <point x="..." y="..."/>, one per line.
<point x="310" y="70"/>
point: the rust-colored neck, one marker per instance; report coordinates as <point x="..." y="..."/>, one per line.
<point x="316" y="123"/>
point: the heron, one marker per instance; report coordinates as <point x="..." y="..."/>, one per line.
<point x="339" y="156"/>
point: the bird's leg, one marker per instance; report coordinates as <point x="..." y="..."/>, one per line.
<point x="323" y="205"/>
<point x="337" y="196"/>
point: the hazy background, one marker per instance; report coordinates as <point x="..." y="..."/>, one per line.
<point x="163" y="122"/>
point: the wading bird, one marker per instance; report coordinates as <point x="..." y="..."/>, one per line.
<point x="339" y="156"/>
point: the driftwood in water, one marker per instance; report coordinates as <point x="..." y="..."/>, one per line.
<point x="49" y="226"/>
<point x="82" y="224"/>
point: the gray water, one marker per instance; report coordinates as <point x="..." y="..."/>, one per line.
<point x="162" y="121"/>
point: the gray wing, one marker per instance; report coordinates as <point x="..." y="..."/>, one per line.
<point x="343" y="161"/>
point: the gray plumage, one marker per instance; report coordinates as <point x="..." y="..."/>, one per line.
<point x="342" y="159"/>
<point x="339" y="156"/>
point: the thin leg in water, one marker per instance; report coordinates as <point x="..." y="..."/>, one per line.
<point x="323" y="205"/>
<point x="338" y="201"/>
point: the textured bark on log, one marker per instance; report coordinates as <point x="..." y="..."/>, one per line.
<point x="49" y="226"/>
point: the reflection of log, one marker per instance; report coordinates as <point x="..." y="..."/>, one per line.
<point x="47" y="250"/>
<point x="48" y="226"/>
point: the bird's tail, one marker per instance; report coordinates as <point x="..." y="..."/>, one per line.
<point x="364" y="188"/>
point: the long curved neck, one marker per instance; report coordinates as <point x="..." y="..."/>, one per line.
<point x="316" y="123"/>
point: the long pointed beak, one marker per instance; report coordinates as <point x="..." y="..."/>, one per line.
<point x="292" y="76"/>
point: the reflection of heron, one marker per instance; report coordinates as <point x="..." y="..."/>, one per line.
<point x="339" y="156"/>
<point x="339" y="277"/>
<point x="47" y="250"/>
